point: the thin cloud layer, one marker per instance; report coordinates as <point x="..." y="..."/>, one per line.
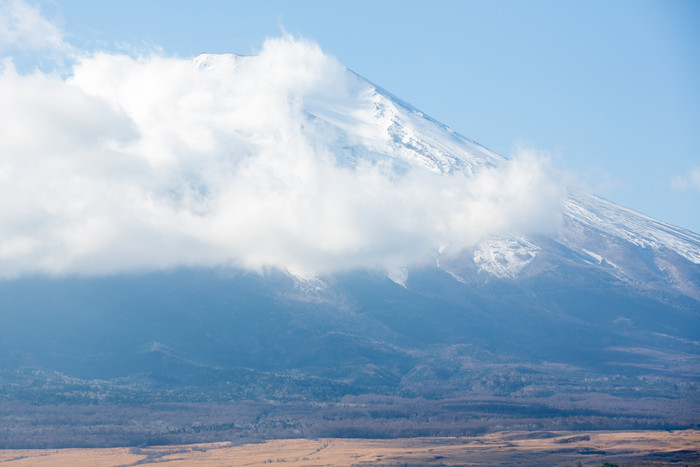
<point x="23" y="27"/>
<point x="691" y="180"/>
<point x="280" y="160"/>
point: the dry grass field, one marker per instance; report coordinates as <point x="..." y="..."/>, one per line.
<point x="503" y="448"/>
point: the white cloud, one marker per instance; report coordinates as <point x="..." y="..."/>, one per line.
<point x="284" y="159"/>
<point x="23" y="27"/>
<point x="691" y="180"/>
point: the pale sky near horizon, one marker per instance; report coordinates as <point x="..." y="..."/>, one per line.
<point x="610" y="89"/>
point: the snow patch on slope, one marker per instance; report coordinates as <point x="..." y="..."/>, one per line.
<point x="601" y="260"/>
<point x="631" y="226"/>
<point x="422" y="141"/>
<point x="505" y="257"/>
<point x="308" y="284"/>
<point x="609" y="266"/>
<point x="399" y="276"/>
<point x="370" y="124"/>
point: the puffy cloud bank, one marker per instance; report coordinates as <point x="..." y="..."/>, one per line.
<point x="141" y="163"/>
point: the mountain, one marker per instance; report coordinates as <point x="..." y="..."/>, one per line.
<point x="596" y="321"/>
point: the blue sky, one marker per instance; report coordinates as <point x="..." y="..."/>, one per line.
<point x="608" y="88"/>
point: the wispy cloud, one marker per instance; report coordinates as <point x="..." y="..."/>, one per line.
<point x="138" y="163"/>
<point x="688" y="181"/>
<point x="23" y="27"/>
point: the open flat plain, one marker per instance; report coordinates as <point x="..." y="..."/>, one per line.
<point x="503" y="448"/>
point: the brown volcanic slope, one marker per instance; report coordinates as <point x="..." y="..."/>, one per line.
<point x="503" y="448"/>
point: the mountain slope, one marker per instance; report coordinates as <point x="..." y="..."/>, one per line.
<point x="627" y="244"/>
